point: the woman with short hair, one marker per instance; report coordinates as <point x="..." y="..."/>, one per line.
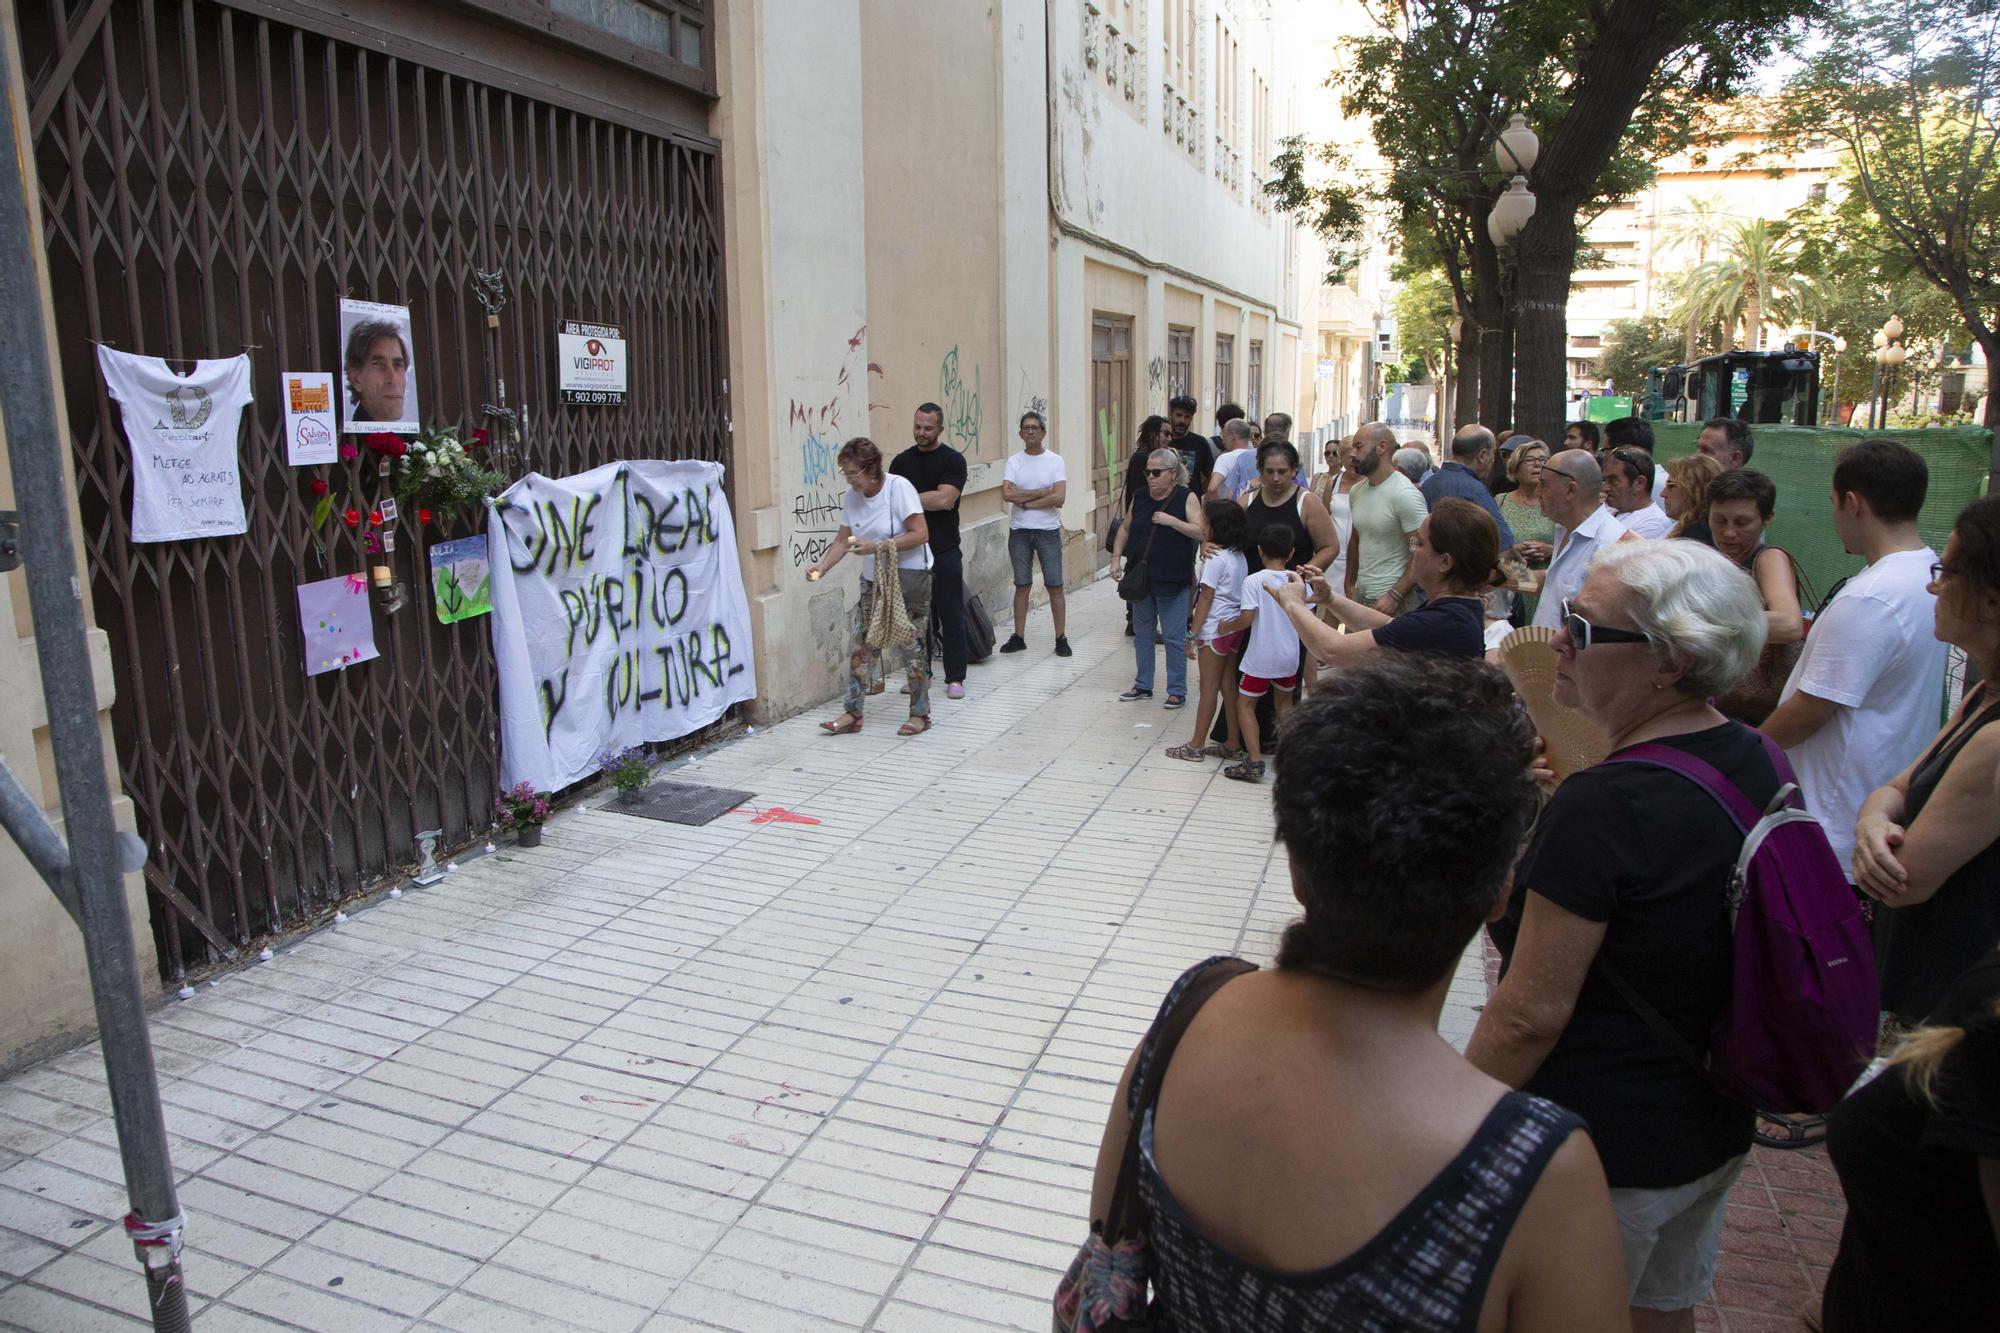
<point x="1318" y="1157"/>
<point x="1162" y="532"/>
<point x="1454" y="557"/>
<point x="1740" y="506"/>
<point x="1628" y="873"/>
<point x="881" y="512"/>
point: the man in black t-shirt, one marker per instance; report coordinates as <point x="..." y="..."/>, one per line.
<point x="1193" y="448"/>
<point x="938" y="472"/>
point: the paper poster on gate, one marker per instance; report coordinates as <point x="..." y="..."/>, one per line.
<point x="618" y="614"/>
<point x="312" y="432"/>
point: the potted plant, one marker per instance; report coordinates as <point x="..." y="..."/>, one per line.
<point x="525" y="810"/>
<point x="627" y="771"/>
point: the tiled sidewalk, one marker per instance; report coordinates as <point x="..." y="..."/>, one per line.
<point x="755" y="1076"/>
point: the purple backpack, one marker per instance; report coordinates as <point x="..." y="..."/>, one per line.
<point x="1800" y="1024"/>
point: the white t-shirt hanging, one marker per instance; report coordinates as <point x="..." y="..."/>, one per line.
<point x="182" y="429"/>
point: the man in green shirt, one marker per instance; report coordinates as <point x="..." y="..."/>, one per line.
<point x="1387" y="511"/>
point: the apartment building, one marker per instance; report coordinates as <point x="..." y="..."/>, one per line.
<point x="1683" y="218"/>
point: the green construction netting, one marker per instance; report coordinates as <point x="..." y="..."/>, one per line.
<point x="1799" y="460"/>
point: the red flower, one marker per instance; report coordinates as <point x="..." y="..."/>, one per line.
<point x="353" y="517"/>
<point x="423" y="516"/>
<point x="386" y="445"/>
<point x="347" y="449"/>
<point x="319" y="486"/>
<point x="375" y="519"/>
<point x="479" y="437"/>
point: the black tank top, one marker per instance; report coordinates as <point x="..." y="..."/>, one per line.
<point x="1291" y="514"/>
<point x="1169" y="553"/>
<point x="1924" y="947"/>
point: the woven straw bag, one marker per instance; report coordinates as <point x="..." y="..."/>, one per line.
<point x="888" y="619"/>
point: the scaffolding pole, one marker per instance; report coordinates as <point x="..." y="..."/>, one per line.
<point x="87" y="875"/>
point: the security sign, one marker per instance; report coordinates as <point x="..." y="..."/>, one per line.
<point x="590" y="363"/>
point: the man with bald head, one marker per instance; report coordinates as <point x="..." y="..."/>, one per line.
<point x="1572" y="486"/>
<point x="1387" y="508"/>
<point x="1458" y="478"/>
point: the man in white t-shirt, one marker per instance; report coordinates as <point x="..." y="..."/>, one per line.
<point x="1033" y="487"/>
<point x="1868" y="690"/>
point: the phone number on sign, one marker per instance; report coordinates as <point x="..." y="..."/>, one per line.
<point x="599" y="396"/>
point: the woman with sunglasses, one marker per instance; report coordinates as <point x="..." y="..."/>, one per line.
<point x="1163" y="533"/>
<point x="1627" y="871"/>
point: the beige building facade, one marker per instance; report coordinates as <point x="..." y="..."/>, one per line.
<point x="1051" y="206"/>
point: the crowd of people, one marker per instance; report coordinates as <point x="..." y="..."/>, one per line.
<point x="1573" y="1168"/>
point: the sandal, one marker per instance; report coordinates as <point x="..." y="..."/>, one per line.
<point x="1789" y="1131"/>
<point x="1249" y="770"/>
<point x="916" y="726"/>
<point x="845" y="725"/>
<point x="1187" y="752"/>
<point x="1217" y="750"/>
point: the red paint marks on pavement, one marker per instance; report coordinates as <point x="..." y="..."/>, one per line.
<point x="777" y="814"/>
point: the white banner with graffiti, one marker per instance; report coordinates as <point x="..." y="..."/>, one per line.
<point x="618" y="614"/>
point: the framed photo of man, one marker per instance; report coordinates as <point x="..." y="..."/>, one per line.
<point x="378" y="373"/>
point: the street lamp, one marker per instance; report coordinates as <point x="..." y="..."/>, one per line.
<point x="1511" y="212"/>
<point x="1889" y="353"/>
<point x="1517" y="147"/>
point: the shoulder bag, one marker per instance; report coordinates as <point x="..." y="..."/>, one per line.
<point x="1104" y="1290"/>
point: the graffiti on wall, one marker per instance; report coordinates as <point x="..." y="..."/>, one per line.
<point x="1032" y="401"/>
<point x="961" y="404"/>
<point x="1156" y="373"/>
<point x="1108" y="435"/>
<point x="820" y="432"/>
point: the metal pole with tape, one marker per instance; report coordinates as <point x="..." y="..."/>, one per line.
<point x="88" y="873"/>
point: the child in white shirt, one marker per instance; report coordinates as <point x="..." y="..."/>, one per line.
<point x="1218" y="636"/>
<point x="1271" y="657"/>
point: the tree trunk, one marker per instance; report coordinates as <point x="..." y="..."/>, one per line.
<point x="1753" y="315"/>
<point x="1541" y="306"/>
<point x="1465" y="382"/>
<point x="1629" y="38"/>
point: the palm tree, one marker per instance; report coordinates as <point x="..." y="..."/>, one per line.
<point x="1755" y="278"/>
<point x="1695" y="224"/>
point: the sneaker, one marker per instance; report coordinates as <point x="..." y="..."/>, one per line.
<point x="1174" y="701"/>
<point x="1134" y="693"/>
<point x="1062" y="646"/>
<point x="1015" y="644"/>
<point x="954" y="690"/>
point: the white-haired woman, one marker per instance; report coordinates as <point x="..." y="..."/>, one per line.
<point x="1625" y="877"/>
<point x="1163" y="533"/>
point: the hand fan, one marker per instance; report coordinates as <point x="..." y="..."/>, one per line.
<point x="1571" y="742"/>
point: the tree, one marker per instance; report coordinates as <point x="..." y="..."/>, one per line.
<point x="1697" y="225"/>
<point x="1610" y="87"/>
<point x="1755" y="280"/>
<point x="1634" y="346"/>
<point x="1910" y="89"/>
<point x="1640" y="73"/>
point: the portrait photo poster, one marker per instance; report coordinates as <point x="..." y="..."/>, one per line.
<point x="378" y="371"/>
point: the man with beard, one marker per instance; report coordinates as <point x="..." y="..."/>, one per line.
<point x="1194" y="449"/>
<point x="1387" y="510"/>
